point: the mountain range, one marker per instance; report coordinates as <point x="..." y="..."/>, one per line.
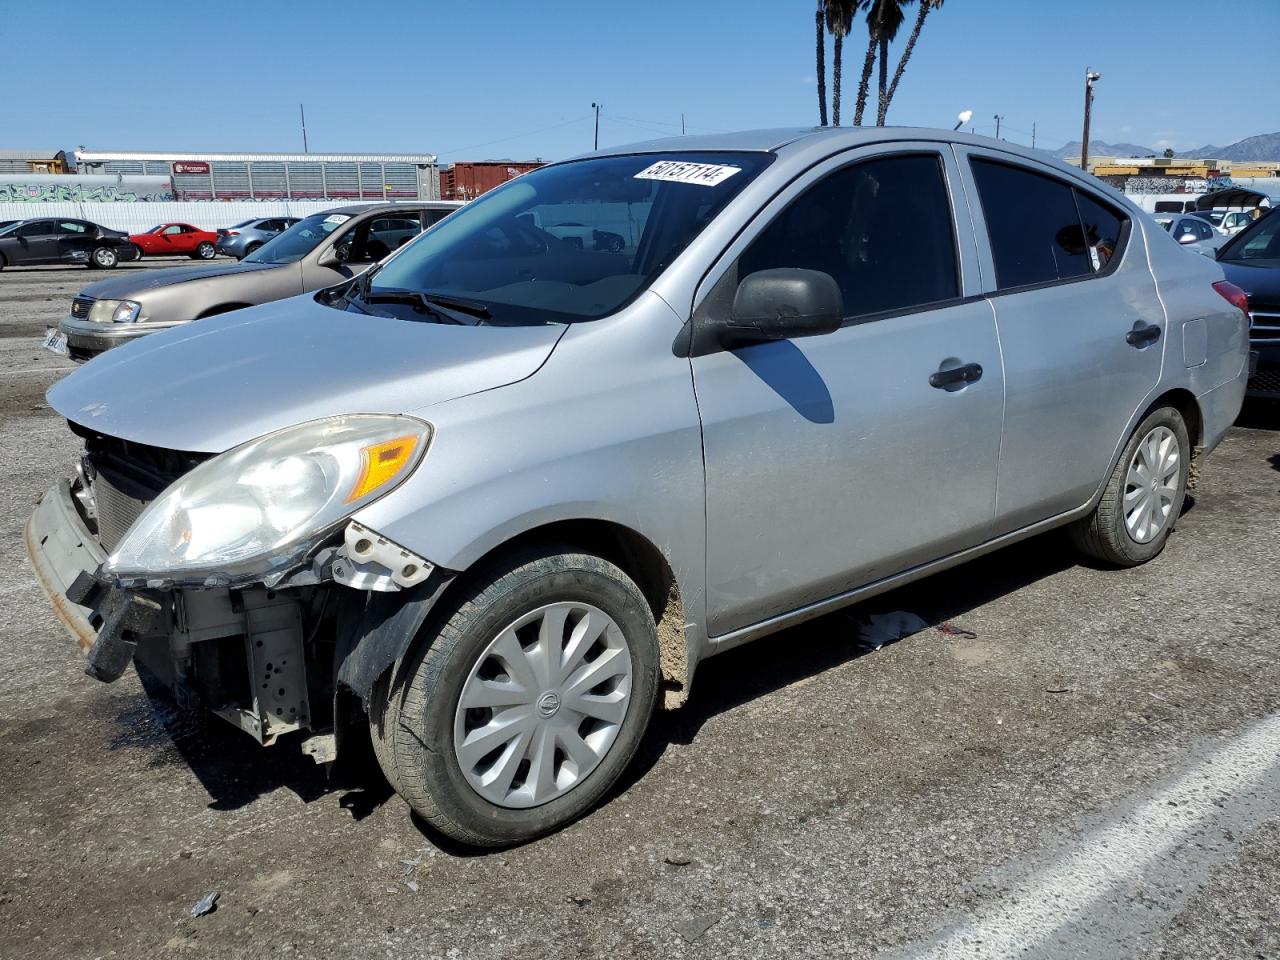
<point x="1265" y="146"/>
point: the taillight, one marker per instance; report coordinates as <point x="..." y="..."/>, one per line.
<point x="233" y="233"/>
<point x="1234" y="296"/>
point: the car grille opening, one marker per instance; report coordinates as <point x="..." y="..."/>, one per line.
<point x="1266" y="382"/>
<point x="126" y="476"/>
<point x="1265" y="328"/>
<point x="80" y="307"/>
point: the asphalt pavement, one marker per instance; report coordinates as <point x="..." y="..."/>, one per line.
<point x="1069" y="762"/>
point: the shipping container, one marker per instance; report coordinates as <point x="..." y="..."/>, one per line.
<point x="466" y="180"/>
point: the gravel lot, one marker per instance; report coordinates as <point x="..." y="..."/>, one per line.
<point x="1093" y="772"/>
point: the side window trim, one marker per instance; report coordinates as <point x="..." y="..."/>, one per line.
<point x="966" y="154"/>
<point x="969" y="268"/>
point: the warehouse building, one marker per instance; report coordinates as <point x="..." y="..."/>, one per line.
<point x="278" y="176"/>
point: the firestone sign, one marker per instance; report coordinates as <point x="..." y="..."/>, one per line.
<point x="190" y="166"/>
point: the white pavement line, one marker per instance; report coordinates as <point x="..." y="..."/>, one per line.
<point x="31" y="370"/>
<point x="1137" y="846"/>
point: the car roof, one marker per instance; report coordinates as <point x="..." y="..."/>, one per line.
<point x="358" y="208"/>
<point x="837" y="138"/>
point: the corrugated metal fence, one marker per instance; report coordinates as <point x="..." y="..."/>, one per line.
<point x="136" y="217"/>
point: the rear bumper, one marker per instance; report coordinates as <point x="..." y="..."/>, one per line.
<point x="1264" y="371"/>
<point x="61" y="548"/>
<point x="85" y="338"/>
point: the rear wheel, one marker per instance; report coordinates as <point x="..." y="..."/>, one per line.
<point x="204" y="251"/>
<point x="249" y="250"/>
<point x="104" y="258"/>
<point x="1144" y="495"/>
<point x="525" y="701"/>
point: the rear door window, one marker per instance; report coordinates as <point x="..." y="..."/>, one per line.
<point x="882" y="228"/>
<point x="1103" y="229"/>
<point x="74" y="227"/>
<point x="1032" y="223"/>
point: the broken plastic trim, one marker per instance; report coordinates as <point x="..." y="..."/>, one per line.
<point x="369" y="561"/>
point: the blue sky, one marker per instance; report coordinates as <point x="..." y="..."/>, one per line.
<point x="516" y="79"/>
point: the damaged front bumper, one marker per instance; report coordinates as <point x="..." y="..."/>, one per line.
<point x="269" y="659"/>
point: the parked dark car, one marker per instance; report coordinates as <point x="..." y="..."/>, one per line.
<point x="1251" y="260"/>
<point x="244" y="238"/>
<point x="318" y="251"/>
<point x="28" y="243"/>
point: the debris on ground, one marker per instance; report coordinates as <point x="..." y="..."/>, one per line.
<point x="578" y="901"/>
<point x="1057" y="689"/>
<point x="208" y="903"/>
<point x="695" y="927"/>
<point x="412" y="885"/>
<point x="949" y="629"/>
<point x="676" y="861"/>
<point x="882" y="628"/>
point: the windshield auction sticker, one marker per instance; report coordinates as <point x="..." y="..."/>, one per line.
<point x="681" y="171"/>
<point x="336" y="218"/>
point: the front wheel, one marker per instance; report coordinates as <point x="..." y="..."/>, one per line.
<point x="525" y="701"/>
<point x="104" y="258"/>
<point x="1144" y="495"/>
<point x="205" y="251"/>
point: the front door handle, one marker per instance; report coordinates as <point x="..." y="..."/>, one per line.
<point x="1142" y="334"/>
<point x="968" y="373"/>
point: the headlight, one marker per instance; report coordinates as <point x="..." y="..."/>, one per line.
<point x="263" y="505"/>
<point x="114" y="311"/>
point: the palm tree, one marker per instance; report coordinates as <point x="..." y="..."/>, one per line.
<point x="839" y="22"/>
<point x="925" y="7"/>
<point x="821" y="19"/>
<point x="885" y="19"/>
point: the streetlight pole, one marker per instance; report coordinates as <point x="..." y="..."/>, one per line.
<point x="303" y="114"/>
<point x="998" y="119"/>
<point x="596" y="107"/>
<point x="1090" y="77"/>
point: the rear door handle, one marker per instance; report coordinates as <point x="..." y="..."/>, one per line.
<point x="1142" y="334"/>
<point x="969" y="373"/>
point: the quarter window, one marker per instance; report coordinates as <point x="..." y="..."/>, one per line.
<point x="881" y="228"/>
<point x="74" y="227"/>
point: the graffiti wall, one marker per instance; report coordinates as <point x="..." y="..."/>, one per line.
<point x="35" y="188"/>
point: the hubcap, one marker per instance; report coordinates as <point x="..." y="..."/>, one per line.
<point x="103" y="257"/>
<point x="543" y="704"/>
<point x="1151" y="485"/>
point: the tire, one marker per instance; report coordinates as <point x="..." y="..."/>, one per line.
<point x="137" y="253"/>
<point x="205" y="251"/>
<point x="104" y="258"/>
<point x="416" y="723"/>
<point x="1115" y="532"/>
<point x="3" y="262"/>
<point x="250" y="250"/>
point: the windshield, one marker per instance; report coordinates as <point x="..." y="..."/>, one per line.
<point x="7" y="225"/>
<point x="1258" y="242"/>
<point x="156" y="229"/>
<point x="299" y="240"/>
<point x="575" y="241"/>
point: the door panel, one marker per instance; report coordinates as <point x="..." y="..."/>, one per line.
<point x="1073" y="381"/>
<point x="832" y="461"/>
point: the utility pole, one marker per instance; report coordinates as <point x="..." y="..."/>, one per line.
<point x="302" y="113"/>
<point x="682" y="124"/>
<point x="1090" y="77"/>
<point x="596" y="107"/>
<point x="1033" y="134"/>
<point x="998" y="118"/>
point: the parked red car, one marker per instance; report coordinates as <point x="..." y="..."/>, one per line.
<point x="174" y="239"/>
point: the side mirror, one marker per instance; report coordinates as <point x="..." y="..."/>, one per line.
<point x="331" y="258"/>
<point x="1187" y="238"/>
<point x="782" y="304"/>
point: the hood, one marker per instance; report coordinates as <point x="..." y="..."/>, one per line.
<point x="1260" y="279"/>
<point x="218" y="382"/>
<point x="130" y="286"/>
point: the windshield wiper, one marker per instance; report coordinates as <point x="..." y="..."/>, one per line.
<point x="423" y="302"/>
<point x="473" y="308"/>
